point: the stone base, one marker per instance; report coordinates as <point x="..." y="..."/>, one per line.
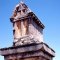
<point x="39" y="51"/>
<point x="25" y="40"/>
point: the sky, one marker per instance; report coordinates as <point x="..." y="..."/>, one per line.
<point x="48" y="11"/>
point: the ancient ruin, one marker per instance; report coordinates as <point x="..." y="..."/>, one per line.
<point x="28" y="41"/>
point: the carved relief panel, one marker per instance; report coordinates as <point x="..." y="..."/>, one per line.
<point x="20" y="29"/>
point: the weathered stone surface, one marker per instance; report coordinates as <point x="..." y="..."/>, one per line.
<point x="28" y="51"/>
<point x="27" y="48"/>
<point x="26" y="40"/>
<point x="25" y="22"/>
<point x="28" y="37"/>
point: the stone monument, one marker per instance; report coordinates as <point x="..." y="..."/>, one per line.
<point x="28" y="41"/>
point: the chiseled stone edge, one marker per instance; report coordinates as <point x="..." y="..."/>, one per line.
<point x="31" y="54"/>
<point x="27" y="48"/>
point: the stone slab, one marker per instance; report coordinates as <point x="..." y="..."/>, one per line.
<point x="27" y="48"/>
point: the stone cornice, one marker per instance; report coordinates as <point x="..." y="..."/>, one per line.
<point x="27" y="48"/>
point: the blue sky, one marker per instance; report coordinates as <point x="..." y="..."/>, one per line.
<point x="48" y="11"/>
